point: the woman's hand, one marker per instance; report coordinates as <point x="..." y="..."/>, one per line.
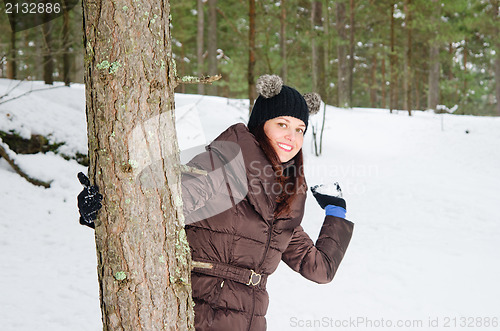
<point x="89" y="201"/>
<point x="330" y="199"/>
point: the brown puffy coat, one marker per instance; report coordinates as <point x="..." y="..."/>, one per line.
<point x="237" y="233"/>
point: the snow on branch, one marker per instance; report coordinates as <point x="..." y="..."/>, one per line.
<point x="4" y="152"/>
<point x="197" y="80"/>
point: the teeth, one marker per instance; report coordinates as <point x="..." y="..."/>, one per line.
<point x="288" y="148"/>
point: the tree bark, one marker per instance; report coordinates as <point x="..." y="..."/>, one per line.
<point x="212" y="43"/>
<point x="284" y="68"/>
<point x="318" y="69"/>
<point x="142" y="252"/>
<point x="343" y="71"/>
<point x="409" y="74"/>
<point x="200" y="44"/>
<point x="251" y="53"/>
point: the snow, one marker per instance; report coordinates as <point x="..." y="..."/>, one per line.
<point x="332" y="189"/>
<point x="422" y="192"/>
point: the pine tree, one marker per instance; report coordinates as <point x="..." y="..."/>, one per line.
<point x="143" y="254"/>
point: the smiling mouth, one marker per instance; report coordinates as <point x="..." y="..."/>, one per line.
<point x="285" y="147"/>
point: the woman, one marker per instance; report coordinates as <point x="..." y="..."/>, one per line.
<point x="236" y="245"/>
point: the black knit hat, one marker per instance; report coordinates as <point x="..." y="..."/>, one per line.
<point x="276" y="99"/>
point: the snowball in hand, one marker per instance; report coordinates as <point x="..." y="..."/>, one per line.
<point x="330" y="189"/>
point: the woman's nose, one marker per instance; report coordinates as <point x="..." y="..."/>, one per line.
<point x="290" y="135"/>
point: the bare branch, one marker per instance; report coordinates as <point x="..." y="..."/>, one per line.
<point x="28" y="92"/>
<point x="197" y="80"/>
<point x="5" y="155"/>
<point x="12" y="89"/>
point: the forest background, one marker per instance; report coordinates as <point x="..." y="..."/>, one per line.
<point x="411" y="54"/>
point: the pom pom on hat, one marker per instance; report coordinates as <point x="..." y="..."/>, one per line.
<point x="269" y="85"/>
<point x="313" y="101"/>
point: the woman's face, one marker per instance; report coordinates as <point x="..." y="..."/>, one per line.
<point x="286" y="134"/>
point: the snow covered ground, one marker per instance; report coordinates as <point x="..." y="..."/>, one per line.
<point x="423" y="193"/>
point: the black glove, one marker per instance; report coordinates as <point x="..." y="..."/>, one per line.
<point x="89" y="201"/>
<point x="325" y="200"/>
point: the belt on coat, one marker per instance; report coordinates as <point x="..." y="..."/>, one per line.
<point x="230" y="272"/>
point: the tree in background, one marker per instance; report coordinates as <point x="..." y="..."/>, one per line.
<point x="434" y="63"/>
<point x="12" y="52"/>
<point x="365" y="50"/>
<point x="283" y="41"/>
<point x="409" y="46"/>
<point x="66" y="45"/>
<point x="496" y="32"/>
<point x="251" y="53"/>
<point x="200" y="43"/>
<point x="142" y="252"/>
<point x="317" y="47"/>
<point x="48" y="60"/>
<point x="212" y="43"/>
<point x="343" y="61"/>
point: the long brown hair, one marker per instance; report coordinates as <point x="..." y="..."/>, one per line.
<point x="290" y="178"/>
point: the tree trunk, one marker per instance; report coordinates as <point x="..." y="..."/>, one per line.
<point x="418" y="87"/>
<point x="142" y="252"/>
<point x="284" y="69"/>
<point x="251" y="53"/>
<point x="373" y="82"/>
<point x="318" y="69"/>
<point x="351" y="51"/>
<point x="383" y="87"/>
<point x="497" y="78"/>
<point x="326" y="55"/>
<point x="465" y="67"/>
<point x="212" y="43"/>
<point x="66" y="45"/>
<point x="11" y="59"/>
<point x="497" y="56"/>
<point x="200" y="46"/>
<point x="343" y="71"/>
<point x="434" y="63"/>
<point x="409" y="74"/>
<point x="451" y="51"/>
<point x="393" y="64"/>
<point x="48" y="60"/>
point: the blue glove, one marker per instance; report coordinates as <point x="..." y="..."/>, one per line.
<point x="334" y="204"/>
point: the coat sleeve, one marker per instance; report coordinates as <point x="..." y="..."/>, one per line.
<point x="224" y="185"/>
<point x="197" y="189"/>
<point x="319" y="262"/>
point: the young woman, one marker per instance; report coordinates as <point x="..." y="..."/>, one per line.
<point x="244" y="217"/>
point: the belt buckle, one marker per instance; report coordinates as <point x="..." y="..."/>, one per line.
<point x="254" y="278"/>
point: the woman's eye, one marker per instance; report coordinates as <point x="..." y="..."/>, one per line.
<point x="299" y="130"/>
<point x="283" y="125"/>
